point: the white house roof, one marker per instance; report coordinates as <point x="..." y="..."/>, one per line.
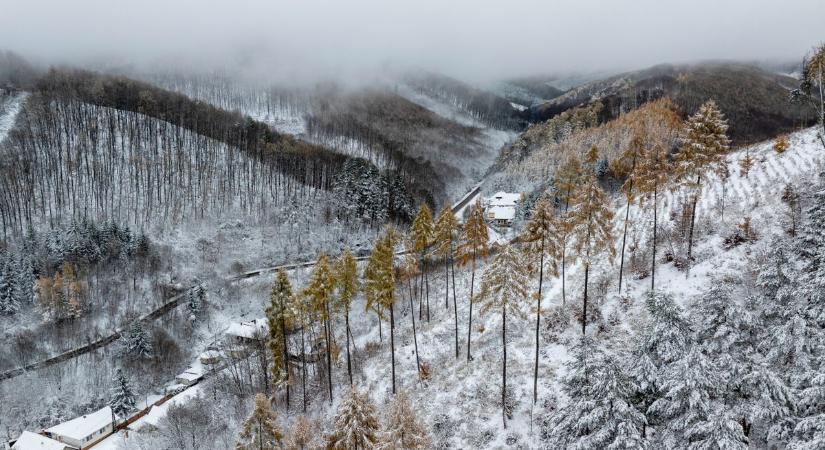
<point x="81" y="427"/>
<point x="501" y="212"/>
<point x="504" y="199"/>
<point x="249" y="330"/>
<point x="34" y="441"/>
<point x="188" y="376"/>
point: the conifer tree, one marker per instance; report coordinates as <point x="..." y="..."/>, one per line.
<point x="446" y="232"/>
<point x="8" y="295"/>
<point x="277" y="315"/>
<point x="403" y="430"/>
<point x="122" y="399"/>
<point x="781" y="144"/>
<point x="474" y="245"/>
<point x="422" y="237"/>
<point x="592" y="221"/>
<point x="542" y="238"/>
<point x="629" y="158"/>
<point x="260" y="431"/>
<point x="381" y="282"/>
<point x="299" y="312"/>
<point x="356" y="425"/>
<point x="746" y="163"/>
<point x="319" y="294"/>
<point x="568" y="178"/>
<point x="346" y="279"/>
<point x="653" y="169"/>
<point x="704" y="142"/>
<point x="600" y="413"/>
<point x="135" y="342"/>
<point x="813" y="74"/>
<point x="302" y="434"/>
<point x="504" y="287"/>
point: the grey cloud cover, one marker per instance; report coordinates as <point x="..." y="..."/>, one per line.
<point x="472" y="39"/>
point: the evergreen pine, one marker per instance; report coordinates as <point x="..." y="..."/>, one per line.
<point x="422" y="238"/>
<point x="319" y="294"/>
<point x="704" y="142"/>
<point x="122" y="398"/>
<point x="600" y="413"/>
<point x="277" y="316"/>
<point x="542" y="236"/>
<point x="474" y="245"/>
<point x="355" y="425"/>
<point x="504" y="287"/>
<point x="8" y="289"/>
<point x="346" y="280"/>
<point x="260" y="430"/>
<point x="403" y="430"/>
<point x="592" y="225"/>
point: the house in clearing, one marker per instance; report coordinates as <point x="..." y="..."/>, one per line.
<point x="190" y="377"/>
<point x="241" y="336"/>
<point x="34" y="441"/>
<point x="500" y="209"/>
<point x="85" y="431"/>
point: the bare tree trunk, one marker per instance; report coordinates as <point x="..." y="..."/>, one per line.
<point x="415" y="335"/>
<point x="303" y="370"/>
<point x="538" y="320"/>
<point x="504" y="366"/>
<point x="653" y="260"/>
<point x="692" y="224"/>
<point x="470" y="320"/>
<point x="455" y="306"/>
<point x="349" y="362"/>
<point x="392" y="346"/>
<point x="624" y="240"/>
<point x="584" y="304"/>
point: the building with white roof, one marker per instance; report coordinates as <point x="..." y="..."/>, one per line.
<point x="85" y="431"/>
<point x="244" y="332"/>
<point x="34" y="441"/>
<point x="501" y="208"/>
<point x="190" y="377"/>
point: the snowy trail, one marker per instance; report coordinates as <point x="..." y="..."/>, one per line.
<point x="8" y="113"/>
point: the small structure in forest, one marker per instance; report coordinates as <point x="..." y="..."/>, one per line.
<point x="500" y="208"/>
<point x="85" y="431"/>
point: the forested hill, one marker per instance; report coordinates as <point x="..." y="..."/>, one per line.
<point x="756" y="102"/>
<point x="82" y="132"/>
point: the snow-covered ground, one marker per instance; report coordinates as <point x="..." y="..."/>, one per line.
<point x="9" y="109"/>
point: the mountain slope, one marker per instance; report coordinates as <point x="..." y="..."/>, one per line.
<point x="755" y="101"/>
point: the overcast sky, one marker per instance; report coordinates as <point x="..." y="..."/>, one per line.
<point x="476" y="40"/>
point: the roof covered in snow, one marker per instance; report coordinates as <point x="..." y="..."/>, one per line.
<point x="504" y="199"/>
<point x="248" y="330"/>
<point x="81" y="427"/>
<point x="501" y="212"/>
<point x="189" y="376"/>
<point x="34" y="441"/>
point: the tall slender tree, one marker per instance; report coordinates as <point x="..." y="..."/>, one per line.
<point x="592" y="224"/>
<point x="319" y="293"/>
<point x="422" y="239"/>
<point x="542" y="239"/>
<point x="381" y="282"/>
<point x="406" y="273"/>
<point x="356" y="424"/>
<point x="446" y="233"/>
<point x="505" y="287"/>
<point x="629" y="159"/>
<point x="346" y="280"/>
<point x="403" y="430"/>
<point x="705" y="141"/>
<point x="474" y="244"/>
<point x="653" y="170"/>
<point x="568" y="178"/>
<point x="260" y="431"/>
<point x="280" y="299"/>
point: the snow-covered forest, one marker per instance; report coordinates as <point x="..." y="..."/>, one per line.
<point x="224" y="257"/>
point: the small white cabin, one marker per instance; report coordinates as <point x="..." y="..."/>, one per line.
<point x="189" y="378"/>
<point x="247" y="332"/>
<point x="85" y="431"/>
<point x="34" y="441"/>
<point x="210" y="357"/>
<point x="500" y="209"/>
